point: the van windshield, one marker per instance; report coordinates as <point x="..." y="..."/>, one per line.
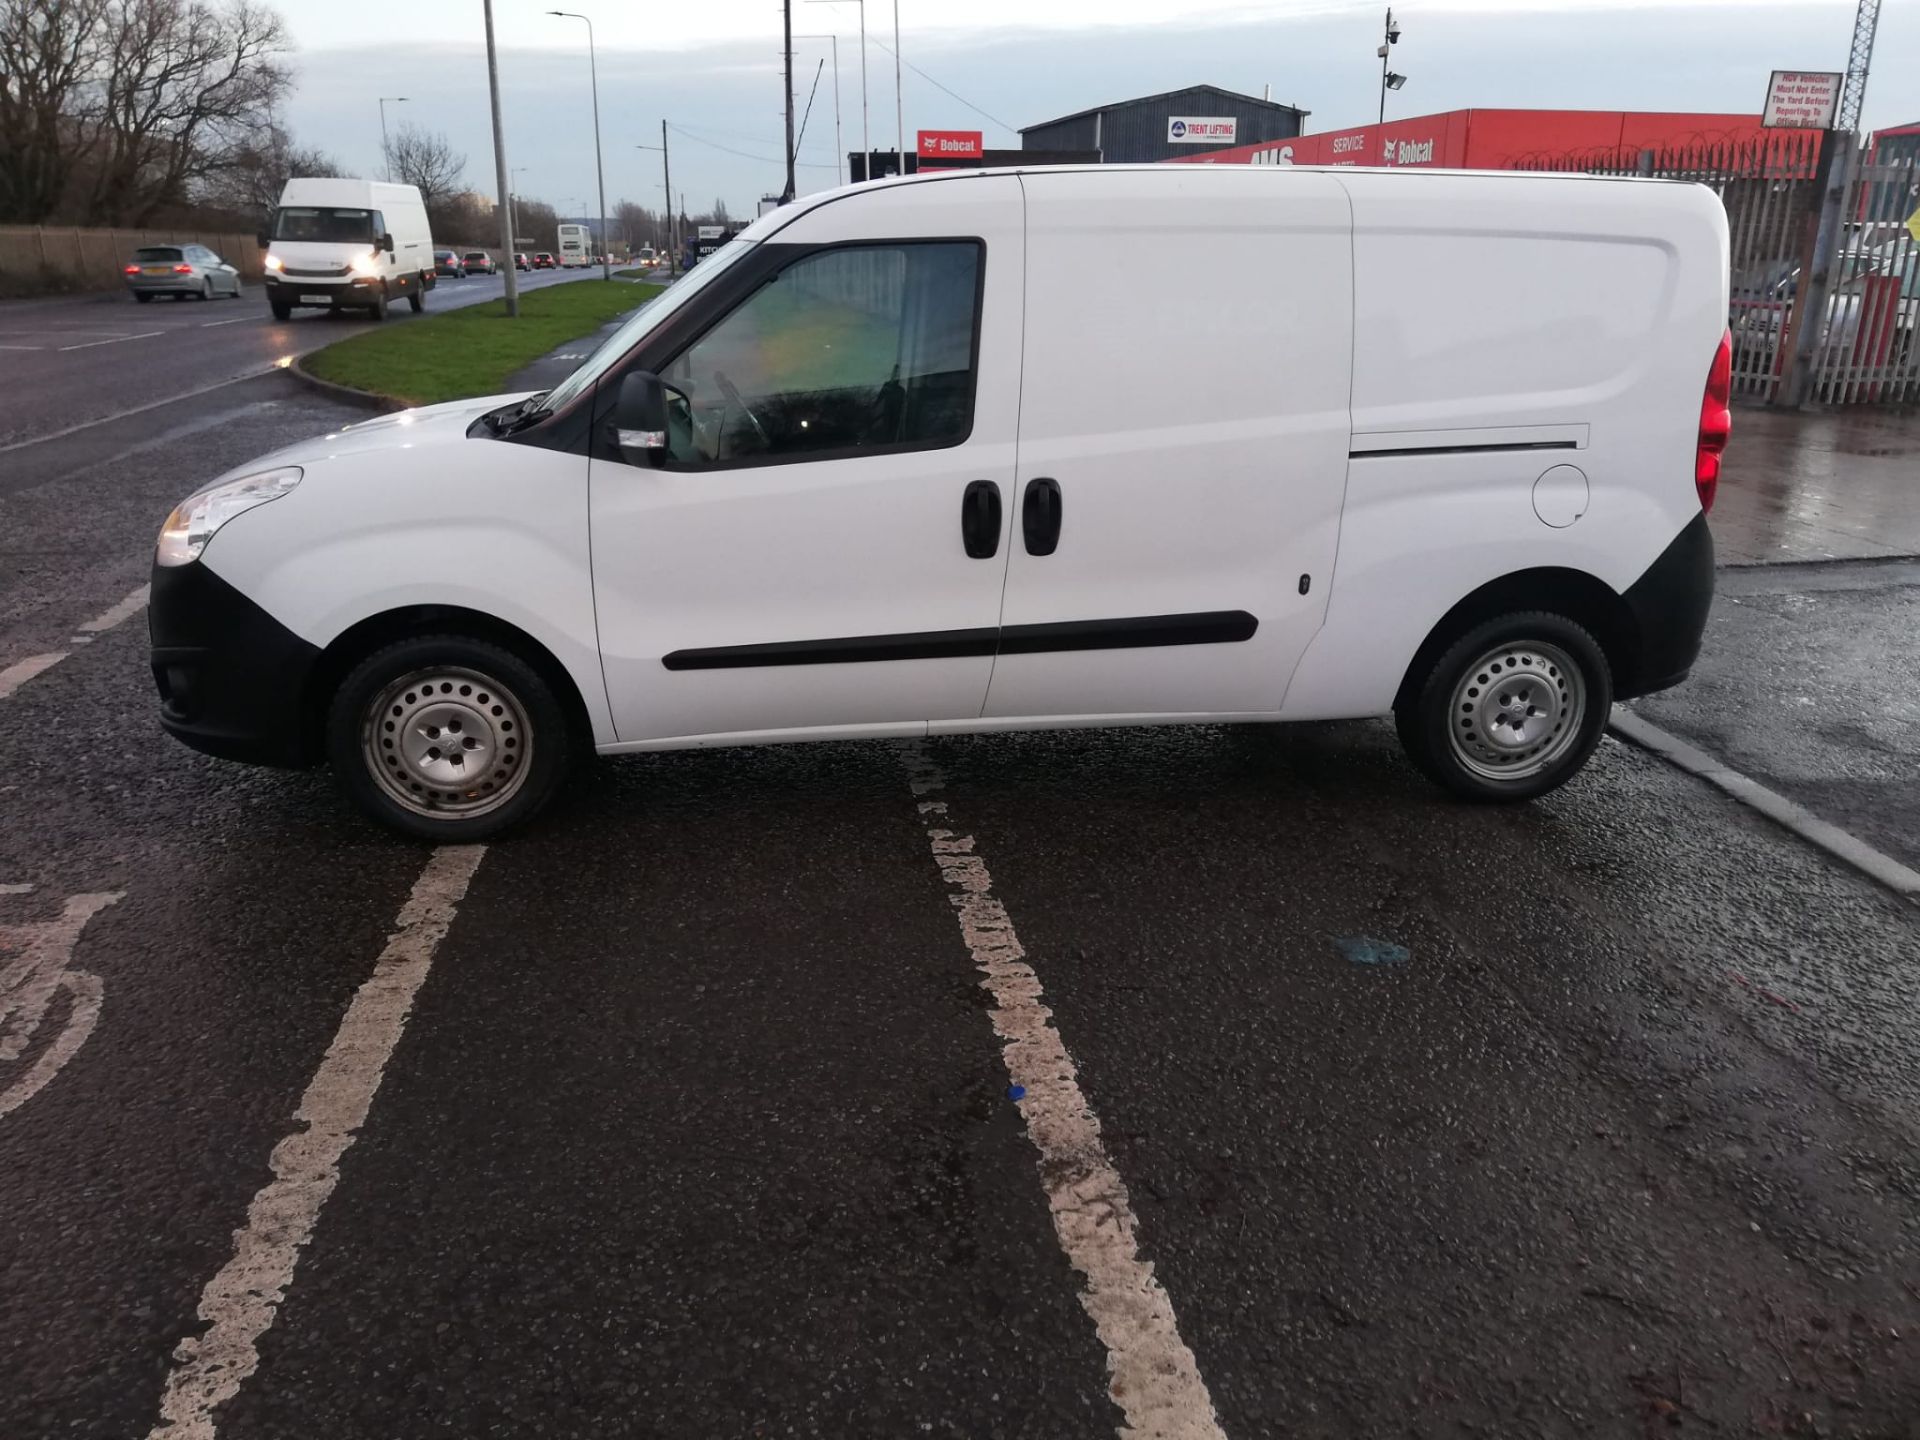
<point x="326" y="224"/>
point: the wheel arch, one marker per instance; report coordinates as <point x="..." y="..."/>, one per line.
<point x="362" y="638"/>
<point x="1580" y="597"/>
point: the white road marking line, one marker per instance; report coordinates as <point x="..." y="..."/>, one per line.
<point x="27" y="986"/>
<point x="1152" y="1375"/>
<point x="238" y="319"/>
<point x="1801" y="821"/>
<point x="136" y="410"/>
<point x="240" y="1303"/>
<point x="125" y="610"/>
<point x="18" y="673"/>
<point x="116" y="340"/>
<point x="16" y="889"/>
<point x="22" y="347"/>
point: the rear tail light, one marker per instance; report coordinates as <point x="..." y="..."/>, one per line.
<point x="133" y="270"/>
<point x="183" y="269"/>
<point x="1716" y="423"/>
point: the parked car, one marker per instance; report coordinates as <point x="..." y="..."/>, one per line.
<point x="179" y="271"/>
<point x="520" y="260"/>
<point x="479" y="262"/>
<point x="1379" y="479"/>
<point x="343" y="244"/>
<point x="448" y="262"/>
<point x="543" y="260"/>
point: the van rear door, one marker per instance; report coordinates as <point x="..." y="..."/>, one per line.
<point x="1184" y="430"/>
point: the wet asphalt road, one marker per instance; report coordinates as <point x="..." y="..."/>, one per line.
<point x="72" y="359"/>
<point x="699" y="1125"/>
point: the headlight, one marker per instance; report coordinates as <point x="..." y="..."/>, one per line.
<point x="195" y="519"/>
<point x="274" y="262"/>
<point x="367" y="264"/>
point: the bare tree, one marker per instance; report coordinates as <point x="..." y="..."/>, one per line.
<point x="639" y="225"/>
<point x="49" y="50"/>
<point x="249" y="182"/>
<point x="182" y="86"/>
<point x="424" y="159"/>
<point x="720" y="216"/>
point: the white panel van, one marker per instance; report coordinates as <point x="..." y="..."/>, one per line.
<point x="963" y="453"/>
<point x="347" y="245"/>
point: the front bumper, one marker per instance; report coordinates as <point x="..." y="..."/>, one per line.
<point x="233" y="681"/>
<point x="1669" y="606"/>
<point x="358" y="293"/>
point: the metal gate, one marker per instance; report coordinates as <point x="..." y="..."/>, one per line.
<point x="1866" y="352"/>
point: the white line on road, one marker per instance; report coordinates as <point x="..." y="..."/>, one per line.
<point x="1152" y="1375"/>
<point x="1775" y="806"/>
<point x="116" y="340"/>
<point x="137" y="410"/>
<point x="16" y="675"/>
<point x="237" y="320"/>
<point x="22" y="347"/>
<point x="240" y="1303"/>
<point x="27" y="987"/>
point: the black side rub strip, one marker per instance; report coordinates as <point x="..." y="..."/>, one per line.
<point x="1463" y="449"/>
<point x="1208" y="627"/>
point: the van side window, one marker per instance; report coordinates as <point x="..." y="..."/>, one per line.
<point x="859" y="348"/>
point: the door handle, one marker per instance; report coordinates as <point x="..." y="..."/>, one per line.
<point x="980" y="519"/>
<point x="1040" y="516"/>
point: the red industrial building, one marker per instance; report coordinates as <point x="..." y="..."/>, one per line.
<point x="1503" y="140"/>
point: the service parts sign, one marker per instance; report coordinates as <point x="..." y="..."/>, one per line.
<point x="1203" y="130"/>
<point x="951" y="144"/>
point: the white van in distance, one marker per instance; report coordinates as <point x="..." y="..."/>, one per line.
<point x="347" y="245"/>
<point x="924" y="457"/>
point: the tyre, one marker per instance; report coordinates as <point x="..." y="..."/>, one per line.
<point x="144" y="297"/>
<point x="281" y="309"/>
<point x="206" y="288"/>
<point x="236" y="287"/>
<point x="378" y="309"/>
<point x="417" y="297"/>
<point x="448" y="738"/>
<point x="1510" y="710"/>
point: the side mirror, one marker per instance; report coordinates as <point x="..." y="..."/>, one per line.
<point x="639" y="421"/>
<point x="386" y="242"/>
<point x="264" y="239"/>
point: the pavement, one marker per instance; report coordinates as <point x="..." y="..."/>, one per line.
<point x="686" y="1112"/>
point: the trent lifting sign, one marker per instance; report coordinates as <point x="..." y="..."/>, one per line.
<point x="1202" y="130"/>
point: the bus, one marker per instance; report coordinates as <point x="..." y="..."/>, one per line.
<point x="576" y="246"/>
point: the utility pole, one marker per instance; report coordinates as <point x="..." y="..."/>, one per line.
<point x="505" y="211"/>
<point x="1853" y="94"/>
<point x="1388" y="80"/>
<point x="386" y="149"/>
<point x="666" y="178"/>
<point x="593" y="70"/>
<point x="899" y="105"/>
<point x="839" y="154"/>
<point x="786" y="21"/>
<point x="866" y="144"/>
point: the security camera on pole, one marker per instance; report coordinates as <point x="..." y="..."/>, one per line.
<point x="1388" y="79"/>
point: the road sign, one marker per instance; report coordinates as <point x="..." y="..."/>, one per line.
<point x="1202" y="130"/>
<point x="950" y="144"/>
<point x="1802" y="99"/>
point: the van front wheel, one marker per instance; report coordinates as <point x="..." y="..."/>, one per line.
<point x="1511" y="710"/>
<point x="448" y="738"/>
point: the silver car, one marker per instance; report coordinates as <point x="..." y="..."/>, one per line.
<point x="179" y="270"/>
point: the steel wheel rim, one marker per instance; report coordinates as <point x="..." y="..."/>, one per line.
<point x="447" y="742"/>
<point x="1517" y="710"/>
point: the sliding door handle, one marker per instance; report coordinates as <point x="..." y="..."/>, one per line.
<point x="1040" y="516"/>
<point x="980" y="519"/>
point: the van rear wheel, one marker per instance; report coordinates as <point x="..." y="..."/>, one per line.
<point x="1512" y="709"/>
<point x="448" y="738"/>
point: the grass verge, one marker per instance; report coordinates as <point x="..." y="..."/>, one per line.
<point x="472" y="351"/>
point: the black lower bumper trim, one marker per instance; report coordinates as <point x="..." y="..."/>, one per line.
<point x="1669" y="605"/>
<point x="232" y="679"/>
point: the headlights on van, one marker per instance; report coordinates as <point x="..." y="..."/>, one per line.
<point x="195" y="520"/>
<point x="367" y="264"/>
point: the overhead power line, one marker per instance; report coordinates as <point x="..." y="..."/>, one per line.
<point x="875" y="40"/>
<point x="745" y="155"/>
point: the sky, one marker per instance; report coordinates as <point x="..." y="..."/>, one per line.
<point x="711" y="68"/>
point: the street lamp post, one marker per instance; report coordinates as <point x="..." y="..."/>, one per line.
<point x="666" y="184"/>
<point x="593" y="69"/>
<point x="839" y="153"/>
<point x="510" y="278"/>
<point x="899" y="106"/>
<point x="386" y="149"/>
<point x="513" y="212"/>
<point x="866" y="146"/>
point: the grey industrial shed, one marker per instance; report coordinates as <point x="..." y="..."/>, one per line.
<point x="1131" y="132"/>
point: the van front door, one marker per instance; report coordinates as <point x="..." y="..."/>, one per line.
<point x="824" y="546"/>
<point x="1184" y="431"/>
